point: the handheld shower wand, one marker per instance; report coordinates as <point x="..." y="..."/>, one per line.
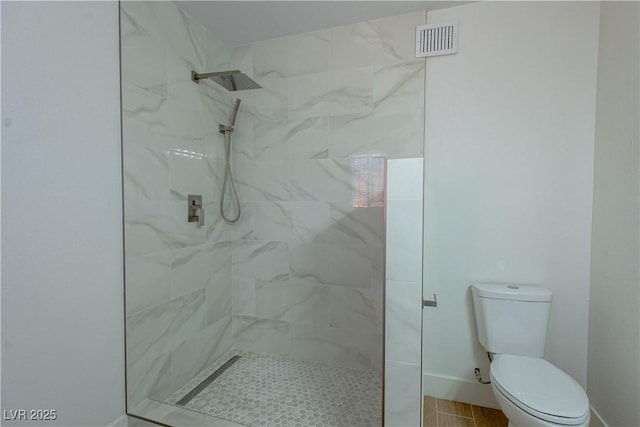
<point x="234" y="113"/>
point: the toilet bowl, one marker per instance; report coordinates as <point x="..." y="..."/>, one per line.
<point x="534" y="393"/>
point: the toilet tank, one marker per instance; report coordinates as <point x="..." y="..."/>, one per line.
<point x="512" y="319"/>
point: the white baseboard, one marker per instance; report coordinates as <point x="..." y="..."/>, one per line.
<point x="458" y="389"/>
<point x="119" y="422"/>
<point x="596" y="419"/>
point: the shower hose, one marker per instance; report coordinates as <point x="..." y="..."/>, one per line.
<point x="228" y="179"/>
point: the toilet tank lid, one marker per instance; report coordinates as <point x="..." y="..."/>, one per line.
<point x="512" y="292"/>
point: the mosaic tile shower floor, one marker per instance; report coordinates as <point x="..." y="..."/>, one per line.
<point x="264" y="390"/>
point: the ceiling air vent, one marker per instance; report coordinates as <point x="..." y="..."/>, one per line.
<point x="437" y="39"/>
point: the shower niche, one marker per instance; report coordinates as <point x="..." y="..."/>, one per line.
<point x="264" y="303"/>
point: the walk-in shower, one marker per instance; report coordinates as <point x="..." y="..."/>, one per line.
<point x="233" y="80"/>
<point x="276" y="318"/>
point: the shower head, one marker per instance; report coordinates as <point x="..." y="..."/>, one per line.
<point x="230" y="80"/>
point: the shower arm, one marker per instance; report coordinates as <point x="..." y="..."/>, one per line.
<point x="196" y="77"/>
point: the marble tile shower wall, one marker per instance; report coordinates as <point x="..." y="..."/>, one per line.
<point x="178" y="275"/>
<point x="403" y="394"/>
<point x="308" y="261"/>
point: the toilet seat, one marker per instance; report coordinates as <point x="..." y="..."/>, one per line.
<point x="540" y="389"/>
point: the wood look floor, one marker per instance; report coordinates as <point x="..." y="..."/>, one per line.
<point x="446" y="413"/>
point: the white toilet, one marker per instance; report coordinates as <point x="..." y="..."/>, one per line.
<point x="512" y="323"/>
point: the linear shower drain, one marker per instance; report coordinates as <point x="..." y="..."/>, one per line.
<point x="211" y="378"/>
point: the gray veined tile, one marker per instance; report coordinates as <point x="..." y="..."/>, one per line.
<point x="404" y="222"/>
<point x="146" y="173"/>
<point x="293" y="301"/>
<point x="243" y="228"/>
<point x="142" y="13"/>
<point x="399" y="87"/>
<point x="242" y="59"/>
<point x="360" y="309"/>
<point x="262" y="181"/>
<point x="155" y="226"/>
<point x="379" y="41"/>
<point x="243" y="296"/>
<point x="139" y="103"/>
<point x="242" y="138"/>
<point x="295" y="55"/>
<point x="270" y="102"/>
<point x="261" y="260"/>
<point x="334" y="346"/>
<point x="291" y="139"/>
<point x="214" y="174"/>
<point x="183" y="34"/>
<point x="219" y="298"/>
<point x="161" y="115"/>
<point x="145" y="227"/>
<point x="148" y="281"/>
<point x="332" y="264"/>
<point x="405" y="179"/>
<point x="190" y="270"/>
<point x="163" y="328"/>
<point x="332" y="93"/>
<point x="217" y="103"/>
<point x="143" y="57"/>
<point x="403" y="322"/>
<point x="200" y="267"/>
<point x="356" y="225"/>
<point x="189" y="175"/>
<point x="403" y="261"/>
<point x="181" y="90"/>
<point x="149" y="377"/>
<point x="218" y="53"/>
<point x="215" y="161"/>
<point x="321" y="180"/>
<point x="291" y="221"/>
<point x="391" y="135"/>
<point x="403" y="397"/>
<point x="261" y="335"/>
<point x="378" y="275"/>
<point x="215" y="229"/>
<point x="136" y="132"/>
<point x="404" y="240"/>
<point x="202" y="349"/>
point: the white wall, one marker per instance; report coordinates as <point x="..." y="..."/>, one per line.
<point x="62" y="309"/>
<point x="614" y="324"/>
<point x="509" y="168"/>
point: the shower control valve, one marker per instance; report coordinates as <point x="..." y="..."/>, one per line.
<point x="195" y="212"/>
